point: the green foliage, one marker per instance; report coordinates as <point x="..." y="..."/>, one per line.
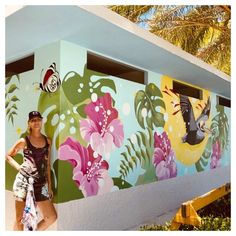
<point x="10" y="98"/>
<point x="138" y="153"/>
<point x="66" y="189"/>
<point x="146" y="105"/>
<point x="78" y="89"/>
<point x="10" y="172"/>
<point x="202" y="30"/>
<point x="220" y="131"/>
<point x="215" y="217"/>
<point x="220" y="127"/>
<point x="121" y="183"/>
<point x="219" y="208"/>
<point x="154" y="227"/>
<point x="209" y="223"/>
<point x="202" y="163"/>
<point x="50" y="103"/>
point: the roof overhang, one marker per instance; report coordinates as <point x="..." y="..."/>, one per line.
<point x="101" y="30"/>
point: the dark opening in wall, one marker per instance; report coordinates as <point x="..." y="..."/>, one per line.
<point x="223" y="101"/>
<point x="187" y="90"/>
<point x="114" y="68"/>
<point x="19" y="66"/>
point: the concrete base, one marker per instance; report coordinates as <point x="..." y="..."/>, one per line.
<point x="129" y="208"/>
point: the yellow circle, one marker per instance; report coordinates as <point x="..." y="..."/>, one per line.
<point x="175" y="126"/>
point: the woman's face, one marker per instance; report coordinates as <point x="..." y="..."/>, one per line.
<point x="35" y="123"/>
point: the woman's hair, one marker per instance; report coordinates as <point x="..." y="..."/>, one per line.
<point x="29" y="130"/>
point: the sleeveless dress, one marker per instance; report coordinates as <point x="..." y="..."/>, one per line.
<point x="35" y="166"/>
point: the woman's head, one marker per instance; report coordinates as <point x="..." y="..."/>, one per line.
<point x="35" y="121"/>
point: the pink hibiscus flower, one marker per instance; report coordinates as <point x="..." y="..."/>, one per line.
<point x="102" y="129"/>
<point x="90" y="171"/>
<point x="164" y="157"/>
<point x="215" y="156"/>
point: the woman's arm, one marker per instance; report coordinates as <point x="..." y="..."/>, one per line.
<point x="49" y="169"/>
<point x="19" y="145"/>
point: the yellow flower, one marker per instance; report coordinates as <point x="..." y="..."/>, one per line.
<point x="18" y="131"/>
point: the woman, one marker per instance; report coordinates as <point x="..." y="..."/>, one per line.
<point x="36" y="149"/>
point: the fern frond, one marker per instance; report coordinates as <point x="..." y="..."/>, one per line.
<point x="137" y="153"/>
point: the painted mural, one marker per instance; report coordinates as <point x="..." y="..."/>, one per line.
<point x="109" y="134"/>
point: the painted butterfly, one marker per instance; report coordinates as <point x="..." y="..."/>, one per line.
<point x="51" y="80"/>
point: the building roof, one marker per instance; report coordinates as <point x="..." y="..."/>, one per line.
<point x="103" y="31"/>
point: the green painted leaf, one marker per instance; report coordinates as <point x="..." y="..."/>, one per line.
<point x="121" y="183"/>
<point x="14" y="98"/>
<point x="80" y="110"/>
<point x="131" y="166"/>
<point x="62" y="120"/>
<point x="7" y="80"/>
<point x="125" y="156"/>
<point x="147" y="105"/>
<point x="7" y="104"/>
<point x="149" y="176"/>
<point x="10" y="172"/>
<point x="12" y="119"/>
<point x="78" y="89"/>
<point x="7" y="111"/>
<point x="14" y="106"/>
<point x="220" y="131"/>
<point x="67" y="189"/>
<point x="12" y="88"/>
<point x="199" y="167"/>
<point x="140" y="153"/>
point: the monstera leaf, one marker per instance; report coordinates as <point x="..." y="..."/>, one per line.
<point x="79" y="90"/>
<point x="61" y="117"/>
<point x="220" y="127"/>
<point x="146" y="105"/>
<point x="202" y="163"/>
<point x="220" y="131"/>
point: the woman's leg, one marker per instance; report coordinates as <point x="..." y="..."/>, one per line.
<point x="19" y="206"/>
<point x="49" y="214"/>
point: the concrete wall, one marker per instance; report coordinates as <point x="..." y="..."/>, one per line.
<point x="125" y="209"/>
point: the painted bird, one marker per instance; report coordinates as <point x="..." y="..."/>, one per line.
<point x="195" y="129"/>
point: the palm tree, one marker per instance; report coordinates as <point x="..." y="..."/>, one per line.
<point x="204" y="31"/>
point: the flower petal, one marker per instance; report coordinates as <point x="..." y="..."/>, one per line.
<point x="72" y="151"/>
<point x="105" y="182"/>
<point x="97" y="111"/>
<point x="87" y="128"/>
<point x="101" y="145"/>
<point x="89" y="188"/>
<point x="162" y="172"/>
<point x="158" y="156"/>
<point x="115" y="128"/>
